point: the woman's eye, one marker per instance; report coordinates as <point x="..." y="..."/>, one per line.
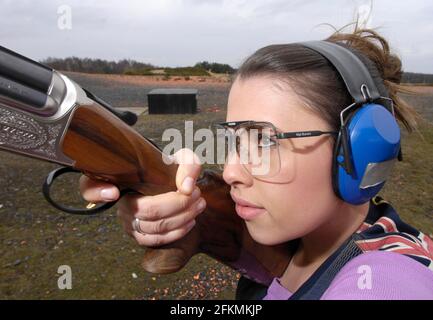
<point x="266" y="141"/>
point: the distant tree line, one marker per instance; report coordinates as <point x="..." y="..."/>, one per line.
<point x="131" y="67"/>
<point x="215" y="67"/>
<point x="412" y="77"/>
<point x="96" y="65"/>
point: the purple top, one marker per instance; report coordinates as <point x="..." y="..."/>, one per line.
<point x="375" y="275"/>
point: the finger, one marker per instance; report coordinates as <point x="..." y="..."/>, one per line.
<point x="97" y="191"/>
<point x="152" y="208"/>
<point x="165" y="225"/>
<point x="155" y="240"/>
<point x="188" y="170"/>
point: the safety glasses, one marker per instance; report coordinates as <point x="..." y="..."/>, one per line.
<point x="256" y="146"/>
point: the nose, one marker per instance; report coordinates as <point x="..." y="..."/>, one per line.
<point x="235" y="173"/>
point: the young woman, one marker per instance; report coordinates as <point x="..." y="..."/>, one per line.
<point x="291" y="88"/>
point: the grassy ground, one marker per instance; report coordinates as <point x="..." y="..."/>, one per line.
<point x="36" y="239"/>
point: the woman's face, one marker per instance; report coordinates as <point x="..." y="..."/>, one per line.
<point x="305" y="200"/>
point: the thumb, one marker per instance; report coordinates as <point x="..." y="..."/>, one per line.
<point x="188" y="170"/>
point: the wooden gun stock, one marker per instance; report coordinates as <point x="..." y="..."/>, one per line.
<point x="104" y="147"/>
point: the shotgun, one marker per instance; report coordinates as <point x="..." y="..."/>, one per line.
<point x="46" y="115"/>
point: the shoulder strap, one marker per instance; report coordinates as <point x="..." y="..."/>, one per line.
<point x="320" y="281"/>
<point x="316" y="285"/>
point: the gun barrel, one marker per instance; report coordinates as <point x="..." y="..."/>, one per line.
<point x="17" y="91"/>
<point x="24" y="70"/>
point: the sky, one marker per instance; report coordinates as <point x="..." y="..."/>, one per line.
<point x="182" y="32"/>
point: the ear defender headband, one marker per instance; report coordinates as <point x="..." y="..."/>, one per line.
<point x="368" y="142"/>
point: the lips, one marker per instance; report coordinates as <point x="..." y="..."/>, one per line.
<point x="245" y="209"/>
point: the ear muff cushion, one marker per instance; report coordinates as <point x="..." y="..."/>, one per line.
<point x="374" y="137"/>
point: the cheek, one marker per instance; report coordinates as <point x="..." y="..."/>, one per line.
<point x="298" y="207"/>
<point x="314" y="173"/>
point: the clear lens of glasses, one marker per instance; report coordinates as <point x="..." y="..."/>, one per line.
<point x="253" y="145"/>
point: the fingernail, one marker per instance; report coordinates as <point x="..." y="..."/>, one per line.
<point x="108" y="194"/>
<point x="195" y="194"/>
<point x="201" y="205"/>
<point x="188" y="184"/>
<point x="191" y="224"/>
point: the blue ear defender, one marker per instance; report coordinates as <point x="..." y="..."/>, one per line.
<point x="368" y="143"/>
<point x="373" y="140"/>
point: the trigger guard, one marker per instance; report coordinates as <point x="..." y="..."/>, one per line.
<point x="46" y="192"/>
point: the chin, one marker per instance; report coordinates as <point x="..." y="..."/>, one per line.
<point x="264" y="235"/>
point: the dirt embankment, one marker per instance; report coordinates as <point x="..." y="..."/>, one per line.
<point x="222" y="80"/>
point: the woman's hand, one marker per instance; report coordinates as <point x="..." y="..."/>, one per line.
<point x="164" y="218"/>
